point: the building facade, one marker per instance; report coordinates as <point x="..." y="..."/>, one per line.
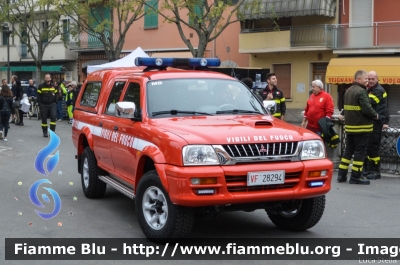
<point x="294" y="40"/>
<point x="367" y="37"/>
<point x="161" y="39"/>
<point x="57" y="59"/>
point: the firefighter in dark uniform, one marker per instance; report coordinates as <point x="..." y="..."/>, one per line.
<point x="47" y="99"/>
<point x="358" y="127"/>
<point x="271" y="92"/>
<point x="378" y="99"/>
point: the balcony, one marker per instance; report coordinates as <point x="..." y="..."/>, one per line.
<point x="89" y="41"/>
<point x="313" y="37"/>
<point x="377" y="37"/>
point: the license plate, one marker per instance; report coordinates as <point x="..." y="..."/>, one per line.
<point x="265" y="178"/>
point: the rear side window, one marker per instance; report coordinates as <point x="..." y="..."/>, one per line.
<point x="91" y="94"/>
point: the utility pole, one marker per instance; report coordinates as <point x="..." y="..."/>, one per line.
<point x="7" y="31"/>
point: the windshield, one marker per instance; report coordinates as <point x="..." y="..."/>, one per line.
<point x="179" y="97"/>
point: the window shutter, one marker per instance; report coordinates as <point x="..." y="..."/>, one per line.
<point x="151" y="16"/>
<point x="361" y="13"/>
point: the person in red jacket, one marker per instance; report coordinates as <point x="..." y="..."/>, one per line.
<point x="319" y="105"/>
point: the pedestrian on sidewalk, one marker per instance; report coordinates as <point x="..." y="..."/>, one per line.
<point x="6" y="104"/>
<point x="17" y="92"/>
<point x="319" y="105"/>
<point x="378" y="99"/>
<point x="358" y="127"/>
<point x="48" y="104"/>
<point x="70" y="100"/>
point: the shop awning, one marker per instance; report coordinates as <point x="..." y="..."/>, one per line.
<point x="287" y="8"/>
<point x="32" y="68"/>
<point x="342" y="70"/>
<point x="184" y="54"/>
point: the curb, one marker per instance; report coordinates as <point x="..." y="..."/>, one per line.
<point x="386" y="175"/>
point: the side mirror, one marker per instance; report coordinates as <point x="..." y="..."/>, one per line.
<point x="126" y="109"/>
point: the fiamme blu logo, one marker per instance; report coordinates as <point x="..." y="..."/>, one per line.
<point x="45" y="168"/>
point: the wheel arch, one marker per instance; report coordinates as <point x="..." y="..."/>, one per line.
<point x="146" y="164"/>
<point x="85" y="139"/>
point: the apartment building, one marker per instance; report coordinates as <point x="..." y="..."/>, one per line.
<point x="367" y="37"/>
<point x="297" y="46"/>
<point x="160" y="39"/>
<point x="57" y="59"/>
<point x="328" y="40"/>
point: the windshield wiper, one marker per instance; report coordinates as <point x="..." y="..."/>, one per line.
<point x="175" y="112"/>
<point x="237" y="111"/>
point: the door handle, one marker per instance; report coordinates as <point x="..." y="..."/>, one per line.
<point x="115" y="128"/>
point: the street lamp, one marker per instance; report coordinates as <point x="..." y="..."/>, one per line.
<point x="7" y="32"/>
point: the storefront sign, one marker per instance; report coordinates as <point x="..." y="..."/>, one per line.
<point x="340" y="80"/>
<point x="349" y="80"/>
<point x="390" y="80"/>
<point x="68" y="76"/>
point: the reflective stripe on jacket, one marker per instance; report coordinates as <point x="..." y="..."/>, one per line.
<point x="358" y="110"/>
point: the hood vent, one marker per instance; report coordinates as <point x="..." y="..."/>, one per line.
<point x="263" y="123"/>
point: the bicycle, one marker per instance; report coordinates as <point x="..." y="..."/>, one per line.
<point x="34" y="110"/>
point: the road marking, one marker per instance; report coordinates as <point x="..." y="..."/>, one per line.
<point x="3" y="148"/>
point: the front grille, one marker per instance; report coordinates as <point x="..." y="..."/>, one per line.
<point x="239" y="183"/>
<point x="253" y="150"/>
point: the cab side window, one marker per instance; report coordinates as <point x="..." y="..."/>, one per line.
<point x="91" y="94"/>
<point x="114" y="97"/>
<point x="133" y="94"/>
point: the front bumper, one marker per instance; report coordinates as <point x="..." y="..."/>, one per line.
<point x="231" y="186"/>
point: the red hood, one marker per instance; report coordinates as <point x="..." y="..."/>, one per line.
<point x="232" y="129"/>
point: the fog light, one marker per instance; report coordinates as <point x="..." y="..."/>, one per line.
<point x="203" y="181"/>
<point x="316" y="183"/>
<point x="205" y="191"/>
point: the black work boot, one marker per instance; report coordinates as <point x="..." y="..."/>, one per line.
<point x="356" y="178"/>
<point x="342" y="175"/>
<point x="366" y="168"/>
<point x="45" y="133"/>
<point x="375" y="172"/>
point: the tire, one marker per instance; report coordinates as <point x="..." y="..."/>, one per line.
<point x="306" y="216"/>
<point x="171" y="221"/>
<point x="92" y="186"/>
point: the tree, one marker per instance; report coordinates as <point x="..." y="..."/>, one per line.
<point x="106" y="21"/>
<point x="208" y="18"/>
<point x="35" y="23"/>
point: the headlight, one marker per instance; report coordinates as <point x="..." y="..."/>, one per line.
<point x="194" y="155"/>
<point x="312" y="150"/>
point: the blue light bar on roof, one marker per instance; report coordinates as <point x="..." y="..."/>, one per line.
<point x="177" y="62"/>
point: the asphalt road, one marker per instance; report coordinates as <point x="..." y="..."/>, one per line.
<point x="351" y="211"/>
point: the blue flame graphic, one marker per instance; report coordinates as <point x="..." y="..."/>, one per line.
<point x="35" y="200"/>
<point x="45" y="152"/>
